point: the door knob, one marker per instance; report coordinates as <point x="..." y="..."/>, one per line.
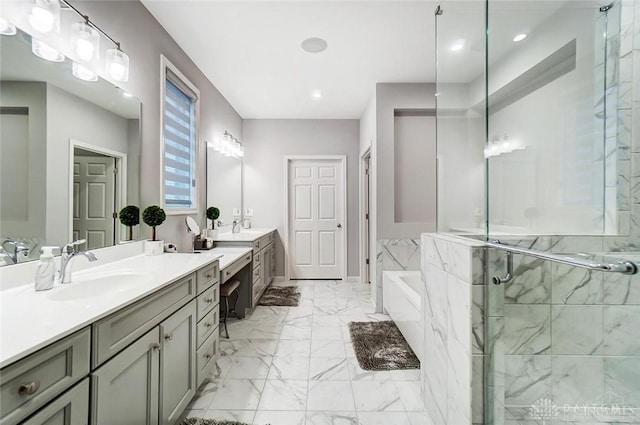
<point x="339" y="226"/>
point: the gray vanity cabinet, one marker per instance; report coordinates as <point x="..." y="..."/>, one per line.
<point x="125" y="390"/>
<point x="177" y="363"/>
<point x="151" y="381"/>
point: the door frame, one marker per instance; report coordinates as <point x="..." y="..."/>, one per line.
<point x="287" y="161"/>
<point x="365" y="237"/>
<point x="121" y="186"/>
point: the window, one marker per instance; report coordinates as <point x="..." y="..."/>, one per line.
<point x="180" y="146"/>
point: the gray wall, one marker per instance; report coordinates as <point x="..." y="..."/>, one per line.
<point x="391" y="96"/>
<point x="267" y="142"/>
<point x="144" y="40"/>
<point x="91" y="124"/>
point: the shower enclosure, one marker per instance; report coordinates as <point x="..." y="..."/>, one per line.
<point x="538" y="145"/>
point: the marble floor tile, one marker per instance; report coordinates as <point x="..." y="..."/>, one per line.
<point x="359" y="374"/>
<point x="410" y="395"/>
<point x="294" y="348"/>
<point x="331" y="418"/>
<point x="419" y="418"/>
<point x="323" y="332"/>
<point x="295" y="332"/>
<point x="330" y="395"/>
<point x="329" y="369"/>
<point x="296" y="368"/>
<point x="284" y="395"/>
<point x="244" y="347"/>
<point x="383" y="418"/>
<point x="249" y="368"/>
<point x="377" y="396"/>
<point x="237" y="394"/>
<point x="327" y="348"/>
<point x="266" y="417"/>
<point x="229" y="415"/>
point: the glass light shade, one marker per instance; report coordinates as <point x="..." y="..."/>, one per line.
<point x="7" y="28"/>
<point x="117" y="65"/>
<point x="86" y="41"/>
<point x="83" y="73"/>
<point x="45" y="15"/>
<point x="45" y="51"/>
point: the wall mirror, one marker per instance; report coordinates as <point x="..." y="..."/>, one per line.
<point x="224" y="186"/>
<point x="69" y="152"/>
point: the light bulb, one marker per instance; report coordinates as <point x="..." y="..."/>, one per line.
<point x="45" y="15"/>
<point x="117" y="65"/>
<point x="83" y="73"/>
<point x="84" y="49"/>
<point x="87" y="41"/>
<point x="45" y="51"/>
<point x="7" y="28"/>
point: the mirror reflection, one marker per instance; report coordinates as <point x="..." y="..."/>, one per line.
<point x="224" y="186"/>
<point x="69" y="155"/>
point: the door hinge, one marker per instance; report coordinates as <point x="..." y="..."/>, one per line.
<point x="114" y="215"/>
<point x="366" y="216"/>
<point x="367" y="261"/>
<point x="115" y="171"/>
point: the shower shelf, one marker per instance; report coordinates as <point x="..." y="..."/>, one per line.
<point x="622" y="266"/>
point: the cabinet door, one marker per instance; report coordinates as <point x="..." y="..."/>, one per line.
<point x="125" y="389"/>
<point x="70" y="408"/>
<point x="177" y="363"/>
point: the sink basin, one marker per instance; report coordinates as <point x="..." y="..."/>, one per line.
<point x="107" y="283"/>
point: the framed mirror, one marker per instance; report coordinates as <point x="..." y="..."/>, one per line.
<point x="69" y="153"/>
<point x="224" y="186"/>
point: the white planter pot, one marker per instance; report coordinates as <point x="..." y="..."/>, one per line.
<point x="153" y="247"/>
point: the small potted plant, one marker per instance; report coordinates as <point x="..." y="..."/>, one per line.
<point x="130" y="216"/>
<point x="153" y="216"/>
<point x="212" y="214"/>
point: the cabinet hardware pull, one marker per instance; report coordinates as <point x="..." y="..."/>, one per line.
<point x="209" y="300"/>
<point x="209" y="276"/>
<point x="208" y="356"/>
<point x="168" y="337"/>
<point x="208" y="324"/>
<point x="29" y="389"/>
<point x="155" y="346"/>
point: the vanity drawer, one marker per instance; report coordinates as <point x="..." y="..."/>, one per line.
<point x="115" y="332"/>
<point x="207" y="325"/>
<point x="206" y="358"/>
<point x="256" y="273"/>
<point x="207" y="276"/>
<point x="235" y="267"/>
<point x="71" y="408"/>
<point x="256" y="260"/>
<point x="30" y="383"/>
<point x="207" y="300"/>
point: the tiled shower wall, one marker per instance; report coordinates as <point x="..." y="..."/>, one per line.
<point x="397" y="255"/>
<point x="453" y="303"/>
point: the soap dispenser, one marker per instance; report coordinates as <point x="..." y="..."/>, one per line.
<point x="46" y="272"/>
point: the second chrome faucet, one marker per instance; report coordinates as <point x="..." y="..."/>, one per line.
<point x="69" y="252"/>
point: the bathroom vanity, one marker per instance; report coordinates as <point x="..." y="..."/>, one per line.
<point x="126" y="342"/>
<point x="262" y="242"/>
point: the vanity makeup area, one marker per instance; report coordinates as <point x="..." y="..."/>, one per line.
<point x="131" y="338"/>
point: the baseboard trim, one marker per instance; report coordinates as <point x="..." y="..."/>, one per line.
<point x="278" y="279"/>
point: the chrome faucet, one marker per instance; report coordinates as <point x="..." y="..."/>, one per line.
<point x="236" y="226"/>
<point x="18" y="248"/>
<point x="69" y="252"/>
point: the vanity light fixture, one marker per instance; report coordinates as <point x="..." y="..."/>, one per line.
<point x="117" y="64"/>
<point x="86" y="40"/>
<point x="44" y="51"/>
<point x="45" y="15"/>
<point x="7" y="28"/>
<point x="228" y="146"/>
<point x="519" y="37"/>
<point x="83" y="73"/>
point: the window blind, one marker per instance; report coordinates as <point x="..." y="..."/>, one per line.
<point x="179" y="147"/>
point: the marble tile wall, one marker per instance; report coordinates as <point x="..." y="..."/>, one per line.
<point x="394" y="254"/>
<point x="453" y="308"/>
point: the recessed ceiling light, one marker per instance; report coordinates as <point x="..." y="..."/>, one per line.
<point x="316" y="94"/>
<point x="314" y="45"/>
<point x="457" y="46"/>
<point x="519" y="37"/>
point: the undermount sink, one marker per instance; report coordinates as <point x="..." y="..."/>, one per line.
<point x="92" y="284"/>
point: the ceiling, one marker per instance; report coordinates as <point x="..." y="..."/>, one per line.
<point x="251" y="51"/>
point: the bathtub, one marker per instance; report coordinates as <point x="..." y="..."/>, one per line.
<point x="401" y="295"/>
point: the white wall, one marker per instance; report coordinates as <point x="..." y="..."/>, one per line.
<point x="267" y="142"/>
<point x="24" y="215"/>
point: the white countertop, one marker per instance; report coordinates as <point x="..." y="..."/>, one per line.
<point x="31" y="320"/>
<point x="246" y="235"/>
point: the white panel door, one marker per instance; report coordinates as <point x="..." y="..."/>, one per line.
<point x="94" y="200"/>
<point x="316" y="222"/>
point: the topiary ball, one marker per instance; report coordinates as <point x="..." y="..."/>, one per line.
<point x="213" y="213"/>
<point x="129" y="215"/>
<point x="153" y="216"/>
